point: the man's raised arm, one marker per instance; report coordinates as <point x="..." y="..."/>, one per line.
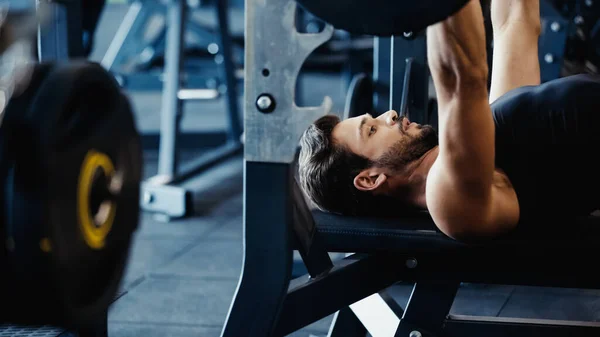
<point x="517" y="26"/>
<point x="459" y="187"/>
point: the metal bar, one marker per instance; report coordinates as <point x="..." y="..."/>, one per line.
<point x="427" y="308"/>
<point x="197" y="94"/>
<point x="403" y="49"/>
<point x="171" y="105"/>
<point x="403" y="111"/>
<point x="309" y="300"/>
<point x="235" y="129"/>
<point x="53" y="36"/>
<point x="208" y="159"/>
<point x="465" y="326"/>
<point x="265" y="276"/>
<point x="381" y="74"/>
<point x="131" y="22"/>
<point x="346" y="324"/>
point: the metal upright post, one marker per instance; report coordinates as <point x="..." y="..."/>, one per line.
<point x="53" y="35"/>
<point x="273" y="123"/>
<point x="234" y="130"/>
<point x="381" y="73"/>
<point x="171" y="104"/>
<point x="267" y="266"/>
<point x="409" y="73"/>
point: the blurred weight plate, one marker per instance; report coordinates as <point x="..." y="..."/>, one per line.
<point x="71" y="195"/>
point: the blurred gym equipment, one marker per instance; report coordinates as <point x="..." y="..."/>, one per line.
<point x="70" y="169"/>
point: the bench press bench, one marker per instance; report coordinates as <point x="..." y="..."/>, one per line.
<point x="380" y="252"/>
<point x="411" y="249"/>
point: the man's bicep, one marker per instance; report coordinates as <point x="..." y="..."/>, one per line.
<point x="467" y="136"/>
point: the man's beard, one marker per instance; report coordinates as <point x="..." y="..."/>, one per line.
<point x="409" y="148"/>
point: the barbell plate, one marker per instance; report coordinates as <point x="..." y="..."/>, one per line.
<point x="77" y="126"/>
<point x="382" y="17"/>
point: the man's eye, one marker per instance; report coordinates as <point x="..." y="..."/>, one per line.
<point x="372" y="130"/>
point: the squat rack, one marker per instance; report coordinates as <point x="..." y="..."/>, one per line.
<point x="166" y="193"/>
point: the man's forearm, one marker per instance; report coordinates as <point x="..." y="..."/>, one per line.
<point x="458" y="62"/>
<point x="459" y="185"/>
<point x="456" y="50"/>
<point x="510" y="13"/>
<point x="516" y="26"/>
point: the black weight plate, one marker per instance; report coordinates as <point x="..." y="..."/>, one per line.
<point x="382" y="17"/>
<point x="78" y="111"/>
<point x="359" y="98"/>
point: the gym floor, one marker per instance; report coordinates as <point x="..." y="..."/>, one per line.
<point x="182" y="275"/>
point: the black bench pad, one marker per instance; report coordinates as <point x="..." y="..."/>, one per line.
<point x="417" y="233"/>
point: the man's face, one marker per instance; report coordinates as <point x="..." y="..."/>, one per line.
<point x="388" y="140"/>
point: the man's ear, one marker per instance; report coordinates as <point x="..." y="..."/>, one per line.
<point x="369" y="180"/>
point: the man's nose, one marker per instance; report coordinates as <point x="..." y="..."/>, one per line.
<point x="391" y="117"/>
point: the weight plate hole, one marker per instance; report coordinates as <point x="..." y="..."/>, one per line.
<point x="101" y="198"/>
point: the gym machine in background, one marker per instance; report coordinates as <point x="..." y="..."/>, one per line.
<point x="131" y="57"/>
<point x="570" y="40"/>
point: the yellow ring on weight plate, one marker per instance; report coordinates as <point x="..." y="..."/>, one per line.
<point x="94" y="235"/>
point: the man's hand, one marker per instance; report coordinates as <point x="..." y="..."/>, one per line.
<point x="456" y="51"/>
<point x="516" y="26"/>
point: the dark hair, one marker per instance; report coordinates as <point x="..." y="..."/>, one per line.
<point x="327" y="170"/>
